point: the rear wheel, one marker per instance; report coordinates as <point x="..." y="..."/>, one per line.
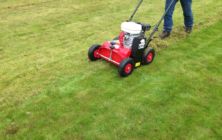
<point x="93" y="52"/>
<point x="126" y="67"/>
<point x="148" y="56"/>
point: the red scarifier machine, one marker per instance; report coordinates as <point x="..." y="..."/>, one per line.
<point x="131" y="48"/>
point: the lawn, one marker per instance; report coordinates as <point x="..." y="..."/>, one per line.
<point x="50" y="90"/>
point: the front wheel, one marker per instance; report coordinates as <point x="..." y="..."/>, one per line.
<point x="148" y="56"/>
<point x="93" y="52"/>
<point x="126" y="67"/>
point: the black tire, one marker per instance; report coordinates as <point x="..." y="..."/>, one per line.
<point x="91" y="52"/>
<point x="123" y="71"/>
<point x="116" y="38"/>
<point x="148" y="56"/>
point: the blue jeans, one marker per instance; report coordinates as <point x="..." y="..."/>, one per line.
<point x="187" y="12"/>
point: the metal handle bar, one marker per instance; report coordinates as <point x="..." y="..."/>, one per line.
<point x="136" y="9"/>
<point x="158" y="23"/>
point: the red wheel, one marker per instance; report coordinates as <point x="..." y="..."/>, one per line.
<point x="148" y="56"/>
<point x="126" y="67"/>
<point x="96" y="54"/>
<point x="93" y="52"/>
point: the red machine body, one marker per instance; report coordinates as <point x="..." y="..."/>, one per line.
<point x="126" y="52"/>
<point x="115" y="55"/>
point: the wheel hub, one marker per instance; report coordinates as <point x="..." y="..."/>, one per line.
<point x="150" y="57"/>
<point x="128" y="68"/>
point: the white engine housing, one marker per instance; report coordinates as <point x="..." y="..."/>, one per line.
<point x="131" y="27"/>
<point x="131" y="30"/>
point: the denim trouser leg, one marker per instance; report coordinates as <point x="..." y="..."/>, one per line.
<point x="168" y="19"/>
<point x="187" y="12"/>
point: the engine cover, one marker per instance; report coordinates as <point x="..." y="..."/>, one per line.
<point x="131" y="27"/>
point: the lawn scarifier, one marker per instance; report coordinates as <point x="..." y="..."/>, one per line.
<point x="131" y="48"/>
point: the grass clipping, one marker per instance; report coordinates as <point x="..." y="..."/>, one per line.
<point x="176" y="35"/>
<point x="159" y="44"/>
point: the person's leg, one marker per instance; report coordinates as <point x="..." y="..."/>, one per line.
<point x="187" y="12"/>
<point x="168" y="19"/>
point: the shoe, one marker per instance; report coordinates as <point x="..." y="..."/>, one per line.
<point x="164" y="34"/>
<point x="188" y="29"/>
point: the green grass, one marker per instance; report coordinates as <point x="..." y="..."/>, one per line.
<point x="49" y="90"/>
